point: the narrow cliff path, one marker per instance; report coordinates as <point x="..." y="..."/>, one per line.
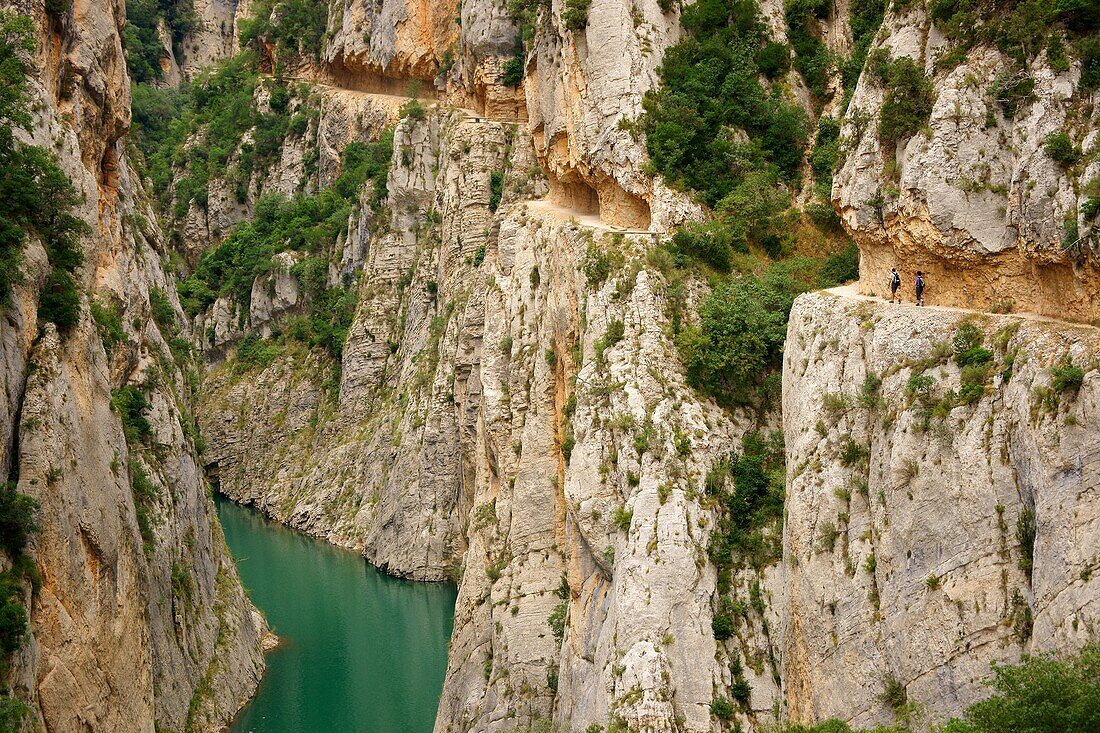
<point x="388" y="100"/>
<point x="395" y="101"/>
<point x="545" y="207"/>
<point x="851" y="292"/>
<point x="548" y="209"/>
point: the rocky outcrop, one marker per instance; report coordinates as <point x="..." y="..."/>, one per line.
<point x="583" y="593"/>
<point x="307" y="161"/>
<point x="973" y="199"/>
<point x="938" y="518"/>
<point x="139" y="619"/>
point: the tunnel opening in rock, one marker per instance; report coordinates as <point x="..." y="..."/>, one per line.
<point x="621" y="208"/>
<point x="348" y="73"/>
<point x="574" y="194"/>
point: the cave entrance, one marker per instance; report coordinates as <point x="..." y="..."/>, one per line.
<point x="575" y="195"/>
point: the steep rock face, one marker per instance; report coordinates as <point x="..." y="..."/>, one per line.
<point x="140" y="619"/>
<point x="973" y="200"/>
<point x="406" y="368"/>
<point x="394" y="39"/>
<point x="585" y="505"/>
<point x="214" y="37"/>
<point x="927" y="533"/>
<point x="583" y="84"/>
<point x="306" y="163"/>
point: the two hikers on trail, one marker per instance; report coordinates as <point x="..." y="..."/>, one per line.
<point x="895" y="285"/>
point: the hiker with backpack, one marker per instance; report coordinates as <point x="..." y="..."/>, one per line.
<point x="920" y="287"/>
<point x="895" y="284"/>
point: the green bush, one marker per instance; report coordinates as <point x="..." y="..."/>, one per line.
<point x="825" y="154"/>
<point x="622" y="518"/>
<point x="293" y="26"/>
<point x="709" y="242"/>
<point x="35" y="195"/>
<point x="1011" y="89"/>
<point x="413" y="110"/>
<point x="496" y="189"/>
<point x="108" y="322"/>
<point x="1088" y="50"/>
<point x="743" y="325"/>
<point x="974" y="356"/>
<point x="59" y="301"/>
<point x="840" y="267"/>
<point x="254" y="352"/>
<point x="57" y="8"/>
<point x="145" y="495"/>
<point x="514" y="68"/>
<point x="908" y="102"/>
<point x="812" y="57"/>
<point x="1042" y="693"/>
<point x="130" y="404"/>
<point x="773" y="59"/>
<point x="13" y="712"/>
<point x="557" y="620"/>
<point x="1061" y="149"/>
<point x="575" y="15"/>
<point x="1066" y="377"/>
<point x="13" y="617"/>
<point x="17" y="519"/>
<point x="864" y="19"/>
<point x="721" y="708"/>
<point x="723" y="626"/>
<point x="753" y="505"/>
<point x="1021" y="30"/>
<point x="600" y="263"/>
<point x="710" y="85"/>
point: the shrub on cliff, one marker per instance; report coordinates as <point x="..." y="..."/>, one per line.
<point x="1042" y="693"/>
<point x="292" y="26"/>
<point x="812" y="57"/>
<point x="710" y="89"/>
<point x="35" y="194"/>
<point x="1059" y="146"/>
<point x="743" y="323"/>
<point x="908" y="103"/>
<point x="575" y="15"/>
<point x="17" y="519"/>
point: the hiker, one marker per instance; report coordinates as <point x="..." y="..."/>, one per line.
<point x="895" y="283"/>
<point x="920" y="287"/>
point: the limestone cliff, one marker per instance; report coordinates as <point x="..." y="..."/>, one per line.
<point x="139" y="620"/>
<point x="974" y="199"/>
<point x="939" y="517"/>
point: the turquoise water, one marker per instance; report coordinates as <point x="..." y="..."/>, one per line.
<point x="360" y="651"/>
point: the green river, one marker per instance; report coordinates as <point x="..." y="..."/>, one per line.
<point x="360" y="651"/>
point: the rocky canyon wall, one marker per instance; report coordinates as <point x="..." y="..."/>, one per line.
<point x="974" y="199"/>
<point x="137" y="619"/>
<point x="939" y="517"/>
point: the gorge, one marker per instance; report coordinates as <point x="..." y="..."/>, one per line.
<point x="573" y="305"/>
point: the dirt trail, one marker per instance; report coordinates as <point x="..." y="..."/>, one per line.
<point x="547" y="208"/>
<point x="397" y="100"/>
<point x="851" y="291"/>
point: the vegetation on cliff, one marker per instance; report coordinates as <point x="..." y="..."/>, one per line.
<point x="722" y="127"/>
<point x="1044" y="693"/>
<point x="141" y="39"/>
<point x="308" y="225"/>
<point x="36" y="197"/>
<point x="293" y="27"/>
